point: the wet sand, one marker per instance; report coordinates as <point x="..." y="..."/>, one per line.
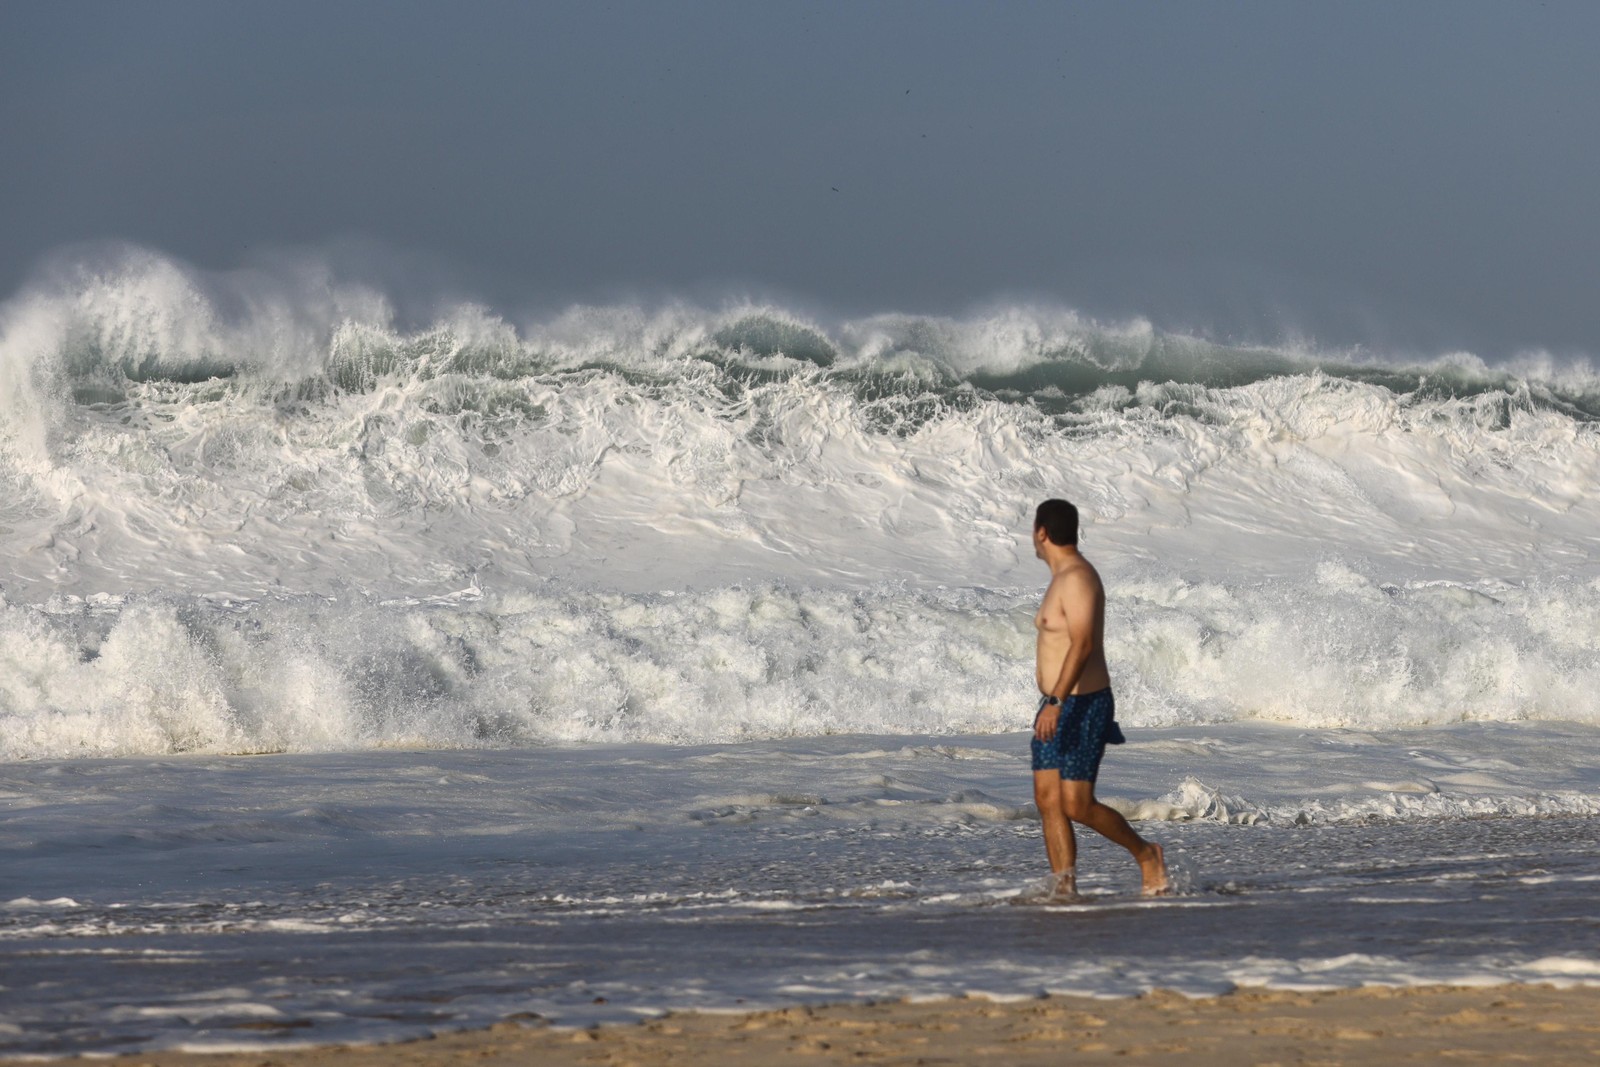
<point x="1512" y="1023"/>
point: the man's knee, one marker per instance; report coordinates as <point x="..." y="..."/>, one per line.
<point x="1047" y="791"/>
<point x="1078" y="810"/>
<point x="1077" y="800"/>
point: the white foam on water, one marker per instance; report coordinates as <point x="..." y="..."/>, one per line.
<point x="161" y="674"/>
<point x="499" y="512"/>
<point x="165" y="430"/>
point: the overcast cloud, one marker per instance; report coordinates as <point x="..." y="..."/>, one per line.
<point x="1420" y="175"/>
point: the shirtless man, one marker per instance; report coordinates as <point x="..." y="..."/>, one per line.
<point x="1077" y="715"/>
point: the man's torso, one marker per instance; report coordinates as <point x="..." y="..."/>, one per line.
<point x="1077" y="581"/>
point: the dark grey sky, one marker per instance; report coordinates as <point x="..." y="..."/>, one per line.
<point x="1417" y="174"/>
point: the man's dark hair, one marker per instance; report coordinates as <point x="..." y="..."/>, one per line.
<point x="1060" y="521"/>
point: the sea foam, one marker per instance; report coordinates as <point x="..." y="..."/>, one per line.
<point x="240" y="513"/>
<point x="158" y="674"/>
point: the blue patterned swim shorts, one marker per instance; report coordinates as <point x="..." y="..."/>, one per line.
<point x="1088" y="723"/>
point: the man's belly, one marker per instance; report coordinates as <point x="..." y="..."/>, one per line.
<point x="1052" y="654"/>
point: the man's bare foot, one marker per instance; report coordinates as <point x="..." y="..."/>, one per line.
<point x="1153" y="866"/>
<point x="1064" y="887"/>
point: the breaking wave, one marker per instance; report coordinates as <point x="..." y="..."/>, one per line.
<point x="236" y="510"/>
<point x="159" y="674"/>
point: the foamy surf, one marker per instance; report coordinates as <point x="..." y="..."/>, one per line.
<point x="155" y="674"/>
<point x="165" y="431"/>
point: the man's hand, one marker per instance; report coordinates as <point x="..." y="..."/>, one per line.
<point x="1044" y="723"/>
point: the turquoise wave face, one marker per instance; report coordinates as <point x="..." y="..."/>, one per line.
<point x="932" y="359"/>
<point x="93" y="332"/>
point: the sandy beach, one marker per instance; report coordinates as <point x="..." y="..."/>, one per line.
<point x="1520" y="1024"/>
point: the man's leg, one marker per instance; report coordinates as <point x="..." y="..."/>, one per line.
<point x="1059" y="843"/>
<point x="1078" y="804"/>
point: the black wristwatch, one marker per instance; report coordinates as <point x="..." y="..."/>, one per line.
<point x="1049" y="701"/>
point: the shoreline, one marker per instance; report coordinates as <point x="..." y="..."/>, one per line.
<point x="1370" y="1025"/>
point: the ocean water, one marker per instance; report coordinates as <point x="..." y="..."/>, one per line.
<point x="364" y="674"/>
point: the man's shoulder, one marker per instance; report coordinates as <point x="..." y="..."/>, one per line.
<point x="1081" y="576"/>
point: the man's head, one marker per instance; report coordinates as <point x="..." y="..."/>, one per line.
<point x="1056" y="521"/>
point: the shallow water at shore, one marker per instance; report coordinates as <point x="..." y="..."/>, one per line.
<point x="218" y="902"/>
